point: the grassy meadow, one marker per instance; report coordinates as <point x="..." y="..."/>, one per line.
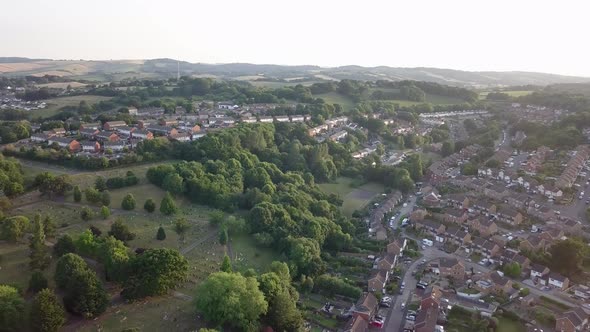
<point x="354" y="196"/>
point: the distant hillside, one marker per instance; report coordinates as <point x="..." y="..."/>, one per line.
<point x="165" y="68"/>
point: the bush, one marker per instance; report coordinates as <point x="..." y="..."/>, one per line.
<point x="64" y="245"/>
<point x="149" y="205"/>
<point x="105" y="212"/>
<point x="331" y="286"/>
<point x="128" y="202"/>
<point x="168" y="206"/>
<point x="86" y="213"/>
<point x="37" y="282"/>
<point x="161" y="235"/>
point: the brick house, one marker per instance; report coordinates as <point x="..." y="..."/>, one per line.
<point x="539" y="271"/>
<point x="430" y="226"/>
<point x="485" y="227"/>
<point x="459" y="201"/>
<point x="397" y="246"/>
<point x="457" y="235"/>
<point x="377" y="281"/>
<point x="365" y="307"/>
<point x="90" y="146"/>
<point x="356" y="324"/>
<point x="69" y="144"/>
<point x="532" y="243"/>
<point x="387" y="262"/>
<point x="107" y="136"/>
<point x="509" y="215"/>
<point x="574" y="320"/>
<point x="89" y="132"/>
<point x="455" y="216"/>
<point x="111" y="125"/>
<point x="142" y="134"/>
<point x="452" y="268"/>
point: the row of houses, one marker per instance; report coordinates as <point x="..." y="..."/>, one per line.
<point x="573" y="167"/>
<point x="437" y="171"/>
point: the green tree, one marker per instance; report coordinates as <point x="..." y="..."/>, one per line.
<point x="149" y="205"/>
<point x="86" y="243"/>
<point x="216" y="217"/>
<point x="49" y="227"/>
<point x="128" y="202"/>
<point x="39" y="257"/>
<point x="86" y="213"/>
<point x="120" y="231"/>
<point x="113" y="254"/>
<point x="228" y="298"/>
<point x="47" y="314"/>
<point x="223" y="235"/>
<point x="512" y="270"/>
<point x="77" y="194"/>
<point x="84" y="293"/>
<point x="168" y="206"/>
<point x="154" y="273"/>
<point x="64" y="245"/>
<point x="37" y="282"/>
<point x="14" y="228"/>
<point x="12" y="307"/>
<point x="161" y="235"/>
<point x="448" y="148"/>
<point x="173" y="183"/>
<point x="105" y="198"/>
<point x="567" y="255"/>
<point x="306" y="284"/>
<point x="100" y="184"/>
<point x="181" y="226"/>
<point x="226" y="264"/>
<point x="105" y="212"/>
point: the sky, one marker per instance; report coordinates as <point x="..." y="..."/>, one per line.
<point x="499" y="35"/>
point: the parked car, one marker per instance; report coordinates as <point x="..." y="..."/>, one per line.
<point x="411" y="318"/>
<point x="385" y="304"/>
<point x="386" y="299"/>
<point x="403" y="306"/>
<point x="376" y="324"/>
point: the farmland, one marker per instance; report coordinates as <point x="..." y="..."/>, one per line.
<point x="354" y="196"/>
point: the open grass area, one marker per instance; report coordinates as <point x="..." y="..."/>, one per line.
<point x="14" y="264"/>
<point x="54" y="104"/>
<point x="247" y="254"/>
<point x="354" y="197"/>
<point x="336" y="98"/>
<point x="507" y="325"/>
<point x="274" y="85"/>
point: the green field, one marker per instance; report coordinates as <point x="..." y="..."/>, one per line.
<point x="54" y="104"/>
<point x="336" y="98"/>
<point x="507" y="325"/>
<point x="275" y="85"/>
<point x="354" y="197"/>
<point x="247" y="254"/>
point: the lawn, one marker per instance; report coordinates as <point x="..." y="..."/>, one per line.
<point x="507" y="325"/>
<point x="247" y="254"/>
<point x="432" y="99"/>
<point x="14" y="264"/>
<point x="354" y="197"/>
<point x="54" y="104"/>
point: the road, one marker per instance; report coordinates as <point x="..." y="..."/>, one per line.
<point x="404" y="211"/>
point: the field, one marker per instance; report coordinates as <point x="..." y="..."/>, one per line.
<point x="354" y="197"/>
<point x="511" y="93"/>
<point x="54" y="104"/>
<point x="246" y="254"/>
<point x="507" y="325"/>
<point x="61" y="85"/>
<point x="336" y="98"/>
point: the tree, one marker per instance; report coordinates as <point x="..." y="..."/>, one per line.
<point x="447" y="149"/>
<point x="77" y="194"/>
<point x="96" y="232"/>
<point x="567" y="255"/>
<point x="105" y="198"/>
<point x="121" y="232"/>
<point x="216" y="217"/>
<point x="47" y="314"/>
<point x="37" y="282"/>
<point x="49" y="227"/>
<point x="181" y="226"/>
<point x="113" y="254"/>
<point x="84" y="294"/>
<point x="128" y="202"/>
<point x="50" y="184"/>
<point x="105" y="212"/>
<point x="92" y="195"/>
<point x="306" y="284"/>
<point x="167" y="206"/>
<point x="513" y="270"/>
<point x="161" y="235"/>
<point x="173" y="183"/>
<point x="226" y="264"/>
<point x="86" y="213"/>
<point x="64" y="245"/>
<point x="39" y="257"/>
<point x="100" y="184"/>
<point x="228" y="298"/>
<point x="154" y="273"/>
<point x="223" y="235"/>
<point x="14" y="228"/>
<point x="12" y="307"/>
<point x="149" y="205"/>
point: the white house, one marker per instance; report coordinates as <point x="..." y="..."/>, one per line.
<point x="282" y="118"/>
<point x="115" y="146"/>
<point x="558" y="281"/>
<point x="266" y="119"/>
<point x="297" y="118"/>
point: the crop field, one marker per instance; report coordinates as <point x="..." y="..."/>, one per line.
<point x="354" y="197"/>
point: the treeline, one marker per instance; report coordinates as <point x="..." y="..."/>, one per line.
<point x="65" y="158"/>
<point x="11" y="177"/>
<point x="575" y="103"/>
<point x="130" y="179"/>
<point x="563" y="135"/>
<point x="13" y="131"/>
<point x="431" y="88"/>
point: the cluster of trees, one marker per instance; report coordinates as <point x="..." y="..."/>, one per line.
<point x="561" y="100"/>
<point x="431" y="88"/>
<point x="563" y="135"/>
<point x="130" y="179"/>
<point x="45" y="311"/>
<point x="11" y="177"/>
<point x="13" y="131"/>
<point x="246" y="301"/>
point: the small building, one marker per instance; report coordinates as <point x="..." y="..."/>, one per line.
<point x="142" y="134"/>
<point x="574" y="320"/>
<point x="558" y="281"/>
<point x="69" y="144"/>
<point x="112" y="125"/>
<point x="365" y="307"/>
<point x="90" y="146"/>
<point x="115" y="146"/>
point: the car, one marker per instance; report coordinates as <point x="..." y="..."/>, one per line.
<point x="411" y="312"/>
<point x="386" y="299"/>
<point x="403" y="306"/>
<point x="401" y="292"/>
<point x="411" y="318"/>
<point x="385" y="304"/>
<point x="405" y="204"/>
<point x="376" y="324"/>
<point x="395" y="278"/>
<point x="379" y="317"/>
<point x="423" y="261"/>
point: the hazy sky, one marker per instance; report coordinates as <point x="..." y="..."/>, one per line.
<point x="531" y="35"/>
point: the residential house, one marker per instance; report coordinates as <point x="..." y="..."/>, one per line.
<point x="365" y="307"/>
<point x="90" y="146"/>
<point x="132" y="110"/>
<point x="484" y="207"/>
<point x="125" y="130"/>
<point x="142" y="134"/>
<point x="459" y="201"/>
<point x="500" y="284"/>
<point x="485" y="227"/>
<point x="107" y="136"/>
<point x="338" y="135"/>
<point x="282" y="118"/>
<point x="168" y="122"/>
<point x="451" y="268"/>
<point x="356" y="324"/>
<point x="533" y="242"/>
<point x="427" y="316"/>
<point x="397" y="246"/>
<point x="418" y="214"/>
<point x="430" y="226"/>
<point x="377" y="281"/>
<point x="539" y="271"/>
<point x="457" y="235"/>
<point x="552" y="235"/>
<point x="496" y="191"/>
<point x="512" y="256"/>
<point x="491" y="248"/>
<point x="574" y="320"/>
<point x="69" y="144"/>
<point x="386" y="263"/>
<point x="558" y="281"/>
<point x="250" y="119"/>
<point x="432" y="199"/>
<point x="509" y="215"/>
<point x="94" y="125"/>
<point x="162" y="130"/>
<point x="89" y="132"/>
<point x="112" y="125"/>
<point x="58" y="132"/>
<point x="181" y="137"/>
<point x="455" y="216"/>
<point x="297" y="118"/>
<point x="571" y="226"/>
<point x="39" y="137"/>
<point x="270" y="119"/>
<point x="114" y="145"/>
<point x="316" y="130"/>
<point x="517" y="201"/>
